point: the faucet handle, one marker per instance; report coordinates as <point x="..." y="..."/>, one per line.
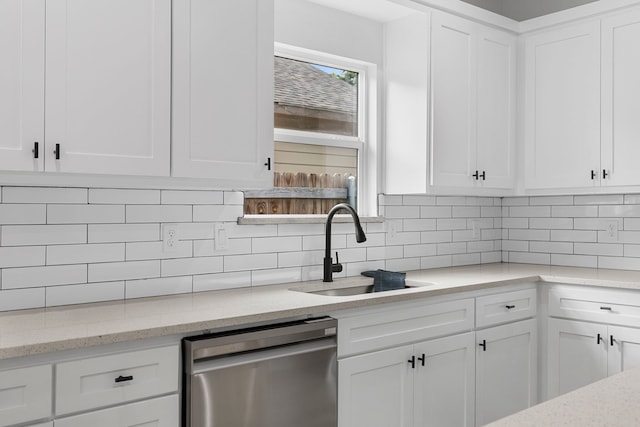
<point x="337" y="267"/>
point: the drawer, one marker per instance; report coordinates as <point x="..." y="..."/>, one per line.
<point x="117" y="378"/>
<point x="25" y="394"/>
<point x="402" y="324"/>
<point x="160" y="412"/>
<point x="505" y="307"/>
<point x="613" y="306"/>
<point x="49" y="424"/>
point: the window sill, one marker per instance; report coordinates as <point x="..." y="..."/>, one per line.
<point x="302" y="219"/>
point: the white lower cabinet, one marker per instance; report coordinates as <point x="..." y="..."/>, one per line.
<point x="581" y="353"/>
<point x="426" y="384"/>
<point x="160" y="412"/>
<point x="49" y="424"/>
<point x="506" y="367"/>
<point x="25" y="394"/>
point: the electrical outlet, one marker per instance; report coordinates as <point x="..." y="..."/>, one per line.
<point x="170" y="237"/>
<point x="610" y="227"/>
<point x="392" y="231"/>
<point x="221" y="239"/>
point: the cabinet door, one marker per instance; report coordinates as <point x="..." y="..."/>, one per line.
<point x="506" y="369"/>
<point x="445" y="385"/>
<point x="161" y="412"/>
<point x="624" y="349"/>
<point x="496" y="108"/>
<point x="577" y="356"/>
<point x="562" y="107"/>
<point x="620" y="93"/>
<point x="108" y="86"/>
<point x="376" y="389"/>
<point x="25" y="394"/>
<point x="453" y="103"/>
<point x="21" y="84"/>
<point x="223" y="90"/>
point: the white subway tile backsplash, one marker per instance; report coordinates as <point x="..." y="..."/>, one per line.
<point x="418" y="200"/>
<point x="389" y="252"/>
<point x="551" y="200"/>
<point x="272" y="277"/>
<point x="112" y="196"/>
<point x="21" y="299"/>
<point x="77" y="254"/>
<point x="176" y="197"/>
<point x="529" y="234"/>
<point x="600" y="199"/>
<point x="219" y="281"/>
<point x="451" y="248"/>
<point x="515" y="201"/>
<point x="31" y="277"/>
<point x="574" y="211"/>
<point x="574" y="260"/>
<point x="425" y="224"/>
<point x="114" y="233"/>
<point x="631" y="251"/>
<point x="300" y="229"/>
<point x="412" y="251"/>
<point x="301" y="259"/>
<point x="529" y="258"/>
<point x="574" y="235"/>
<point x="436" y="236"/>
<point x="480" y="246"/>
<point x="196" y="230"/>
<point x="451" y="200"/>
<point x="389" y="200"/>
<point x="396" y="212"/>
<point x="465" y="212"/>
<point x="88" y="292"/>
<point x="23" y="214"/>
<point x="115" y="271"/>
<point x="250" y="262"/>
<point x="191" y="266"/>
<point x="435" y="212"/>
<point x="551" y="223"/>
<point x="436" y="262"/>
<point x="317" y="242"/>
<point x="43" y="195"/>
<point x="373" y="239"/>
<point x="27" y="235"/>
<point x="632" y="199"/>
<point x="490" y="211"/>
<point x="206" y="213"/>
<point x="25" y="256"/>
<point x="620" y="263"/>
<point x="551" y="247"/>
<point x="465" y="259"/>
<point x="155" y="287"/>
<point x="276" y="244"/>
<point x="139" y="251"/>
<point x="619" y="211"/>
<point x="515" y="222"/>
<point x="529" y="211"/>
<point x="516" y="245"/>
<point x="85" y="214"/>
<point x="403" y="264"/>
<point x="155" y="213"/>
<point x="598" y="249"/>
<point x="451" y="224"/>
<point x="490" y="257"/>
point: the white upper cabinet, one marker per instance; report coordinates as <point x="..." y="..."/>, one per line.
<point x="472" y="104"/>
<point x="620" y="94"/>
<point x="108" y="86"/>
<point x="223" y="91"/>
<point x="562" y="107"/>
<point x="21" y="84"/>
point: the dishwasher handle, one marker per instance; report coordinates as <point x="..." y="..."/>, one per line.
<point x="245" y="340"/>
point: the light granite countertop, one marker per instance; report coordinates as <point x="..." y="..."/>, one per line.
<point x="29" y="332"/>
<point x="611" y="402"/>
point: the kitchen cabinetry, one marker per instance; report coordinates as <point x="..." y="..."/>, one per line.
<point x="136" y="387"/>
<point x="506" y="366"/>
<point x="107" y="92"/>
<point x="620" y="93"/>
<point x="21" y="83"/>
<point x="472" y="104"/>
<point x="222" y="100"/>
<point x="25" y="394"/>
<point x="423" y="384"/>
<point x="562" y="107"/>
<point x="581" y="352"/>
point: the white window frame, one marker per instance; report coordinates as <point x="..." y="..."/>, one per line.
<point x="365" y="142"/>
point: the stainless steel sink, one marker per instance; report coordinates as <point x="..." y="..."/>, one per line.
<point x="352" y="290"/>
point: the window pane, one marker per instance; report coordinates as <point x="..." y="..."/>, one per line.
<point x="315" y="98"/>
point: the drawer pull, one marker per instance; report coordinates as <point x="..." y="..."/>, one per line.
<point x="122" y="379"/>
<point x="483" y="344"/>
<point x="509" y="307"/>
<point x="606" y="308"/>
<point x="611" y="340"/>
<point x="422" y="358"/>
<point x="598" y="339"/>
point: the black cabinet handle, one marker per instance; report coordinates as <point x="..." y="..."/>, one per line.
<point x="122" y="379"/>
<point x="412" y="361"/>
<point x="422" y="359"/>
<point x="479" y="175"/>
<point x="598" y="339"/>
<point x="483" y="344"/>
<point x="57" y="151"/>
<point x="483" y="175"/>
<point x="606" y="308"/>
<point x="268" y="163"/>
<point x="509" y="307"/>
<point x="35" y="151"/>
<point x="593" y="174"/>
<point x="604" y="174"/>
<point x="611" y="340"/>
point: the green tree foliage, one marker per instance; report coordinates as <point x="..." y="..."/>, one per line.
<point x="350" y="77"/>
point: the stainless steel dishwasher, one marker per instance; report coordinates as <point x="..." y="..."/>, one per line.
<point x="282" y="375"/>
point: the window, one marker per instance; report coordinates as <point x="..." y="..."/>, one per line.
<point x="320" y="119"/>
